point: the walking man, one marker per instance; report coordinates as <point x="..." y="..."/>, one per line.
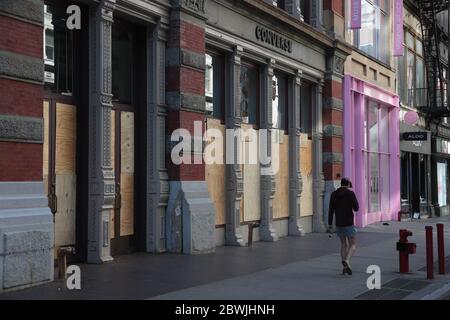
<point x="343" y="203"/>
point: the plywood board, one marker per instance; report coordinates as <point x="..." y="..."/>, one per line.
<point x="66" y="119"/>
<point x="45" y="113"/>
<point x="65" y="217"/>
<point x="111" y="223"/>
<point x="251" y="174"/>
<point x="215" y="175"/>
<point x="306" y="169"/>
<point x="127" y="209"/>
<point x="281" y="200"/>
<point x="127" y="142"/>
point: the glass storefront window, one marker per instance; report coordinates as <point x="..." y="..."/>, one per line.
<point x="442" y="183"/>
<point x="249" y="85"/>
<point x="214" y="85"/>
<point x="58" y="51"/>
<point x="378" y="157"/>
<point x="279" y="101"/>
<point x="122" y="63"/>
<point x="373" y="127"/>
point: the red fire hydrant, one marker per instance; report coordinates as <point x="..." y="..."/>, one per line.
<point x="405" y="248"/>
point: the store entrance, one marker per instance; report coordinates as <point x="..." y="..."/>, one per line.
<point x="378" y="158"/>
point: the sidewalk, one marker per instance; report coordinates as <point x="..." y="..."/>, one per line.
<point x="293" y="268"/>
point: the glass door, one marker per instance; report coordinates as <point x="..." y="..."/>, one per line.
<point x="373" y="158"/>
<point x="378" y="157"/>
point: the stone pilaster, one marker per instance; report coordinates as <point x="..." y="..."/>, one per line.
<point x="295" y="177"/>
<point x="234" y="179"/>
<point x="332" y="120"/>
<point x="101" y="187"/>
<point x="156" y="175"/>
<point x="318" y="176"/>
<point x="26" y="222"/>
<point x="190" y="217"/>
<point x="267" y="231"/>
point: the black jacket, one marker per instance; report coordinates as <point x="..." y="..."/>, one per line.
<point x="342" y="203"/>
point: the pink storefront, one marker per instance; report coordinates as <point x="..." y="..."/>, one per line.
<point x="372" y="149"/>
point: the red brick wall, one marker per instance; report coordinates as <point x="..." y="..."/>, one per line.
<point x="183" y="79"/>
<point x="185" y="172"/>
<point x="333" y="144"/>
<point x="333" y="89"/>
<point x="337" y="6"/>
<point x="20" y="161"/>
<point x="21" y="37"/>
<point x="20" y="98"/>
<point x="187" y="35"/>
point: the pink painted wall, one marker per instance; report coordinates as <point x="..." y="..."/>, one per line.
<point x="356" y="94"/>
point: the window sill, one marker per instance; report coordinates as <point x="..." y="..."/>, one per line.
<point x="374" y="59"/>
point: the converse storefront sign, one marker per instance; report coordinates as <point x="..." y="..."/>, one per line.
<point x="274" y="39"/>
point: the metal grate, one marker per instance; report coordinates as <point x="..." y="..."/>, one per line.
<point x="396" y="289"/>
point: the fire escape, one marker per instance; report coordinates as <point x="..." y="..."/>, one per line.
<point x="432" y="36"/>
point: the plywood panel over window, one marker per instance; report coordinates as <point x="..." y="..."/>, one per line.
<point x="251" y="173"/>
<point x="127" y="174"/>
<point x="45" y="147"/>
<point x="306" y="170"/>
<point x="65" y="169"/>
<point x="126" y="212"/>
<point x="65" y="139"/>
<point x="281" y="200"/>
<point x="127" y="141"/>
<point x="215" y="173"/>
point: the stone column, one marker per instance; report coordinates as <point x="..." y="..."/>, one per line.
<point x="333" y="17"/>
<point x="318" y="176"/>
<point x="190" y="212"/>
<point x="267" y="231"/>
<point x="101" y="183"/>
<point x="234" y="180"/>
<point x="332" y="120"/>
<point x="156" y="175"/>
<point x="295" y="177"/>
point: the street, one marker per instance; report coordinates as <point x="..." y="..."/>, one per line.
<point x="293" y="268"/>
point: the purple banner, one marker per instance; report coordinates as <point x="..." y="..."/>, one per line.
<point x="398" y="29"/>
<point x="355" y="15"/>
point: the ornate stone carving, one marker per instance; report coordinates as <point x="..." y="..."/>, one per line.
<point x="234" y="181"/>
<point x="339" y="64"/>
<point x="195" y="5"/>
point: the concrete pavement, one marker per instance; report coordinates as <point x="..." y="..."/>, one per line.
<point x="293" y="268"/>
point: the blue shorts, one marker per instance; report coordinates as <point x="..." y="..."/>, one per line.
<point x="349" y="231"/>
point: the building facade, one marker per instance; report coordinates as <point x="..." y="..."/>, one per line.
<point x="422" y="75"/>
<point x="371" y="113"/>
<point x="91" y="118"/>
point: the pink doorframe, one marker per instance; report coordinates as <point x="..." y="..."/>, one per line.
<point x="356" y="94"/>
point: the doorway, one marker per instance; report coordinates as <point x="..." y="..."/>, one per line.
<point x="378" y="158"/>
<point x="129" y="99"/>
<point x="122" y="232"/>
